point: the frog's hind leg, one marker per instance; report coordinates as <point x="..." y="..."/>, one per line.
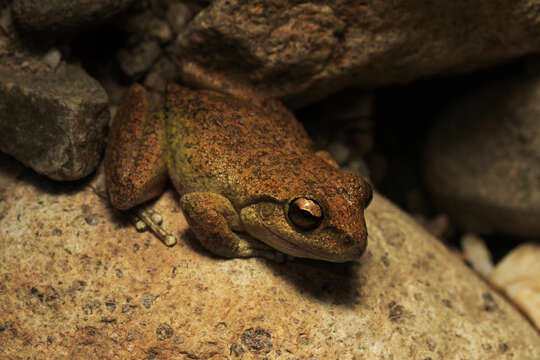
<point x="217" y="226"/>
<point x="135" y="159"/>
<point x="135" y="165"/>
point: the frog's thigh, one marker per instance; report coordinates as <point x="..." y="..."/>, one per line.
<point x="217" y="226"/>
<point x="135" y="157"/>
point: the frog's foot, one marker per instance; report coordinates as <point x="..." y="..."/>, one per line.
<point x="217" y="226"/>
<point x="151" y="220"/>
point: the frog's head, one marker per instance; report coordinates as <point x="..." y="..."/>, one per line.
<point x="325" y="222"/>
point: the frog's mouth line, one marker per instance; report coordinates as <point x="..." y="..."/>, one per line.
<point x="295" y="248"/>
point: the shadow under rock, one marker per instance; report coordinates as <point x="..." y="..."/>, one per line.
<point x="13" y="168"/>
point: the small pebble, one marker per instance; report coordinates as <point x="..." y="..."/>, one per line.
<point x="155" y="82"/>
<point x="52" y="58"/>
<point x="139" y="59"/>
<point x="178" y="15"/>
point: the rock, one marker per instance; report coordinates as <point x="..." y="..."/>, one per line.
<point x="483" y="157"/>
<point x="53" y="58"/>
<point x="155" y="82"/>
<point x="56" y="16"/>
<point x="339" y="151"/>
<point x="52" y="120"/>
<point x="305" y="50"/>
<point x="408" y="297"/>
<point x="136" y="61"/>
<point x="518" y="276"/>
<point x="178" y="15"/>
<point x="147" y="26"/>
<point x="477" y="254"/>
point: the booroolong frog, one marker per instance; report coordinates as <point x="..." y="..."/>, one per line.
<point x="249" y="179"/>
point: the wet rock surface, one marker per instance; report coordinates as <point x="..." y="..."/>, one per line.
<point x="106" y="291"/>
<point x="483" y="156"/>
<point x="305" y="50"/>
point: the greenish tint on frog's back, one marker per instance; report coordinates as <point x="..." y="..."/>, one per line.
<point x="242" y="151"/>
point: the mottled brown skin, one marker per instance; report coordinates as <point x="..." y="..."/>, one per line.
<point x="138" y="137"/>
<point x="238" y="165"/>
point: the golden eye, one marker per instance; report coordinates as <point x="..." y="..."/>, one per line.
<point x="305" y="213"/>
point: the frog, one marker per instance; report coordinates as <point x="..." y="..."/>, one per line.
<point x="249" y="179"/>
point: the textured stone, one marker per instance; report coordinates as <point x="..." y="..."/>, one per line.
<point x="147" y="26"/>
<point x="304" y="50"/>
<point x="407" y="298"/>
<point x="483" y="156"/>
<point x="139" y="59"/>
<point x="51" y="119"/>
<point x="178" y="15"/>
<point x="54" y="16"/>
<point x="518" y="276"/>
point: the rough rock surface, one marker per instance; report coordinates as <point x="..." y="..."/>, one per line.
<point x="54" y="16"/>
<point x="52" y="120"/>
<point x="483" y="157"/>
<point x="77" y="282"/>
<point x="518" y="275"/>
<point x="304" y="50"/>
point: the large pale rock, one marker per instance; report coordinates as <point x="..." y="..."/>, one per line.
<point x="77" y="282"/>
<point x="304" y="50"/>
<point x="483" y="156"/>
<point x="53" y="117"/>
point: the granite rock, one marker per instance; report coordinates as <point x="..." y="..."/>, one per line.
<point x="304" y="50"/>
<point x="483" y="155"/>
<point x="77" y="288"/>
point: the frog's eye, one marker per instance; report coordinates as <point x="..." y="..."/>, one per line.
<point x="305" y="213"/>
<point x="369" y="195"/>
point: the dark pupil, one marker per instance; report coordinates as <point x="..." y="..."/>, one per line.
<point x="305" y="213"/>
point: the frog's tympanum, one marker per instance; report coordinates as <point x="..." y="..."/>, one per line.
<point x="248" y="177"/>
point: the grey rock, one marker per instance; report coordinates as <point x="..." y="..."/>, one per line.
<point x="339" y="151"/>
<point x="139" y="59"/>
<point x="155" y="82"/>
<point x="166" y="69"/>
<point x="52" y="121"/>
<point x="147" y="26"/>
<point x="304" y="50"/>
<point x="53" y="16"/>
<point x="178" y="15"/>
<point x="483" y="157"/>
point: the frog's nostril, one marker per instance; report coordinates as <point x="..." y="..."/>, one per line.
<point x="348" y="240"/>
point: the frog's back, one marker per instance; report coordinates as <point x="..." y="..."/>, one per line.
<point x="226" y="145"/>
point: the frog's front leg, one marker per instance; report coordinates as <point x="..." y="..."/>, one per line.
<point x="218" y="227"/>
